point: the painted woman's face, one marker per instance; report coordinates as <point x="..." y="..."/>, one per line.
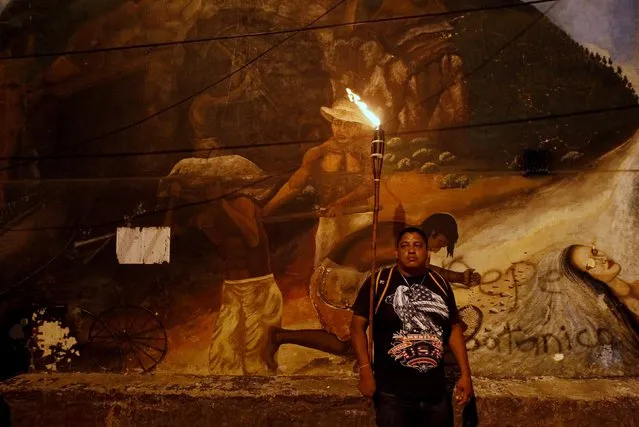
<point x="595" y="262"/>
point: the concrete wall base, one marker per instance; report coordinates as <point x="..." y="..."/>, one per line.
<point x="180" y="400"/>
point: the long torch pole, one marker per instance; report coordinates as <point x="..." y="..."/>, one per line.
<point x="377" y="159"/>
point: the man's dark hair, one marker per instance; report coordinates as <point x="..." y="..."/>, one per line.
<point x="442" y="223"/>
<point x="407" y="230"/>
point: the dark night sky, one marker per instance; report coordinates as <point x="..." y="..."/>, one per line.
<point x="610" y="25"/>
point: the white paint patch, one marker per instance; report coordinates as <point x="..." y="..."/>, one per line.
<point x="558" y="357"/>
<point x="51" y="336"/>
<point x="53" y="340"/>
<point x="143" y="245"/>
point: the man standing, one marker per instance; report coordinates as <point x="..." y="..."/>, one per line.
<point x="415" y="316"/>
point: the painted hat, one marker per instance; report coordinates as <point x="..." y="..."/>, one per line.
<point x="346" y="111"/>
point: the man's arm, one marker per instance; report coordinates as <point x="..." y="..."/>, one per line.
<point x="295" y="182"/>
<point x="464" y="388"/>
<point x="450" y="275"/>
<point x="468" y="277"/>
<point x="361" y="193"/>
<point x="242" y="211"/>
<point x="359" y="325"/>
<point x="457" y="344"/>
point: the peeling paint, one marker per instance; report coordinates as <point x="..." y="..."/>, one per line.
<point x="53" y="340"/>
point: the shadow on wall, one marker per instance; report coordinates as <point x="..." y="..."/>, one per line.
<point x="5" y="413"/>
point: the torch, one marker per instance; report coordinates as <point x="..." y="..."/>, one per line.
<point x="377" y="160"/>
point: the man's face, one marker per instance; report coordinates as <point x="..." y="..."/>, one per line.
<point x="411" y="251"/>
<point x="346" y="131"/>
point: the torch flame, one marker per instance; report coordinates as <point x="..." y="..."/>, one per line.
<point x="362" y="106"/>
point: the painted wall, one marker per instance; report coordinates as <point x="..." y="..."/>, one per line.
<point x="248" y="149"/>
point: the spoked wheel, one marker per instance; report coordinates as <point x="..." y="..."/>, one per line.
<point x="473" y="318"/>
<point x="140" y="334"/>
<point x="98" y="347"/>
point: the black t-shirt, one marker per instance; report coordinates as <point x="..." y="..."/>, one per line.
<point x="410" y="328"/>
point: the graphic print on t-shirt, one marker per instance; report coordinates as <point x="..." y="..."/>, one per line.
<point x="419" y="344"/>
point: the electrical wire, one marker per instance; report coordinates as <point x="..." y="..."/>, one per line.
<point x="273" y="33"/>
<point x="200" y="91"/>
<point x="158" y="211"/>
<point x="30" y="159"/>
<point x="498" y="123"/>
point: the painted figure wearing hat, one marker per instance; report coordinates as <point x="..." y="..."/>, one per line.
<point x="339" y="172"/>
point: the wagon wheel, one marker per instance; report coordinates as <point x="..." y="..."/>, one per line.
<point x="141" y="336"/>
<point x="97" y="346"/>
<point x="472" y="317"/>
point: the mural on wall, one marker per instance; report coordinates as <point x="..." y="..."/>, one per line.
<point x="243" y="141"/>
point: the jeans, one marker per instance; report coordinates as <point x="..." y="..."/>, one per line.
<point x="394" y="411"/>
<point x="470" y="416"/>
